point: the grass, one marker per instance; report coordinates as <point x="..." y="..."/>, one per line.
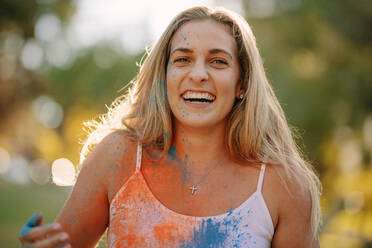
<point x="19" y="202"/>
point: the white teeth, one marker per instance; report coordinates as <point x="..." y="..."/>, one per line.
<point x="198" y="95"/>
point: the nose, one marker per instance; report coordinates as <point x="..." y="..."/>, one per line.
<point x="198" y="72"/>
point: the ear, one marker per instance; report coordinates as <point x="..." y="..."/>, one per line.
<point x="239" y="90"/>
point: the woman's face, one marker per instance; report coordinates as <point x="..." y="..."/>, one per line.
<point x="202" y="74"/>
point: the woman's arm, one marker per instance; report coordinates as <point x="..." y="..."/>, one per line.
<point x="294" y="218"/>
<point x="85" y="215"/>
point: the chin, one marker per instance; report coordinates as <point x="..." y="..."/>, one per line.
<point x="199" y="122"/>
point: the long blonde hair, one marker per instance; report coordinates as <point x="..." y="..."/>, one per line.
<point x="257" y="129"/>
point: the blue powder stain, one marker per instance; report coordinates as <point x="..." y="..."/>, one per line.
<point x="31" y="223"/>
<point x="165" y="134"/>
<point x="210" y="234"/>
<point x="25" y="230"/>
<point x="172" y="152"/>
<point x="182" y="164"/>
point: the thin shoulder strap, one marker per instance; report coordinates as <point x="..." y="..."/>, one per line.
<point x="139" y="156"/>
<point x="260" y="179"/>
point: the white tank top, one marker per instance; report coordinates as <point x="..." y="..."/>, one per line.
<point x="139" y="219"/>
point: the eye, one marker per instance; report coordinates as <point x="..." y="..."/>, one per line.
<point x="219" y="61"/>
<point x="180" y="60"/>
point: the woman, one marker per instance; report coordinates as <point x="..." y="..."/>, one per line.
<point x="197" y="154"/>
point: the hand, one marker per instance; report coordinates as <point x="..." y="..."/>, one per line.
<point x="37" y="235"/>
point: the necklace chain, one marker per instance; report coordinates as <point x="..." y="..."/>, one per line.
<point x="195" y="187"/>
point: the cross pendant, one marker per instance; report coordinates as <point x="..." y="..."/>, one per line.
<point x="193" y="189"/>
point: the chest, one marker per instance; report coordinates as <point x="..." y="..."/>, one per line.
<point x="212" y="193"/>
<point x="156" y="209"/>
<point x="219" y="193"/>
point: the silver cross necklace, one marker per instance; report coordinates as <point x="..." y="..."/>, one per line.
<point x="194" y="188"/>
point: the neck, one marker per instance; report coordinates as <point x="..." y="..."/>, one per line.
<point x="201" y="147"/>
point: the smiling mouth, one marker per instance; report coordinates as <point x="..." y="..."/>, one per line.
<point x="198" y="97"/>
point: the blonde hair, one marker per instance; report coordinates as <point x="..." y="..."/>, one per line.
<point x="257" y="129"/>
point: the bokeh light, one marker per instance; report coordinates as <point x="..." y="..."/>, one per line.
<point x="63" y="172"/>
<point x="32" y="55"/>
<point x="18" y="170"/>
<point x="350" y="156"/>
<point x="47" y="111"/>
<point x="39" y="171"/>
<point x="59" y="53"/>
<point x="47" y="27"/>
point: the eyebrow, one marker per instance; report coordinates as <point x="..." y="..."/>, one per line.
<point x="212" y="51"/>
<point x="181" y="49"/>
<point x="217" y="50"/>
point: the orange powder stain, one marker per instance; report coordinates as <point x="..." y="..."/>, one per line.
<point x="165" y="233"/>
<point x="130" y="238"/>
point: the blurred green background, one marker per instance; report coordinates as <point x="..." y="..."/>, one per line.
<point x="62" y="62"/>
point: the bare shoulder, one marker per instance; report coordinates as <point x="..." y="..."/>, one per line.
<point x="111" y="148"/>
<point x="290" y="201"/>
<point x="287" y="186"/>
<point x="85" y="214"/>
<point x="112" y="161"/>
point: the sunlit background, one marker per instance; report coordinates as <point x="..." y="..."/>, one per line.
<point x="62" y="62"/>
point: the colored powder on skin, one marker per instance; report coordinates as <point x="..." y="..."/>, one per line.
<point x="31" y="223"/>
<point x="184" y="37"/>
<point x="172" y="152"/>
<point x="25" y="230"/>
<point x="183" y="164"/>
